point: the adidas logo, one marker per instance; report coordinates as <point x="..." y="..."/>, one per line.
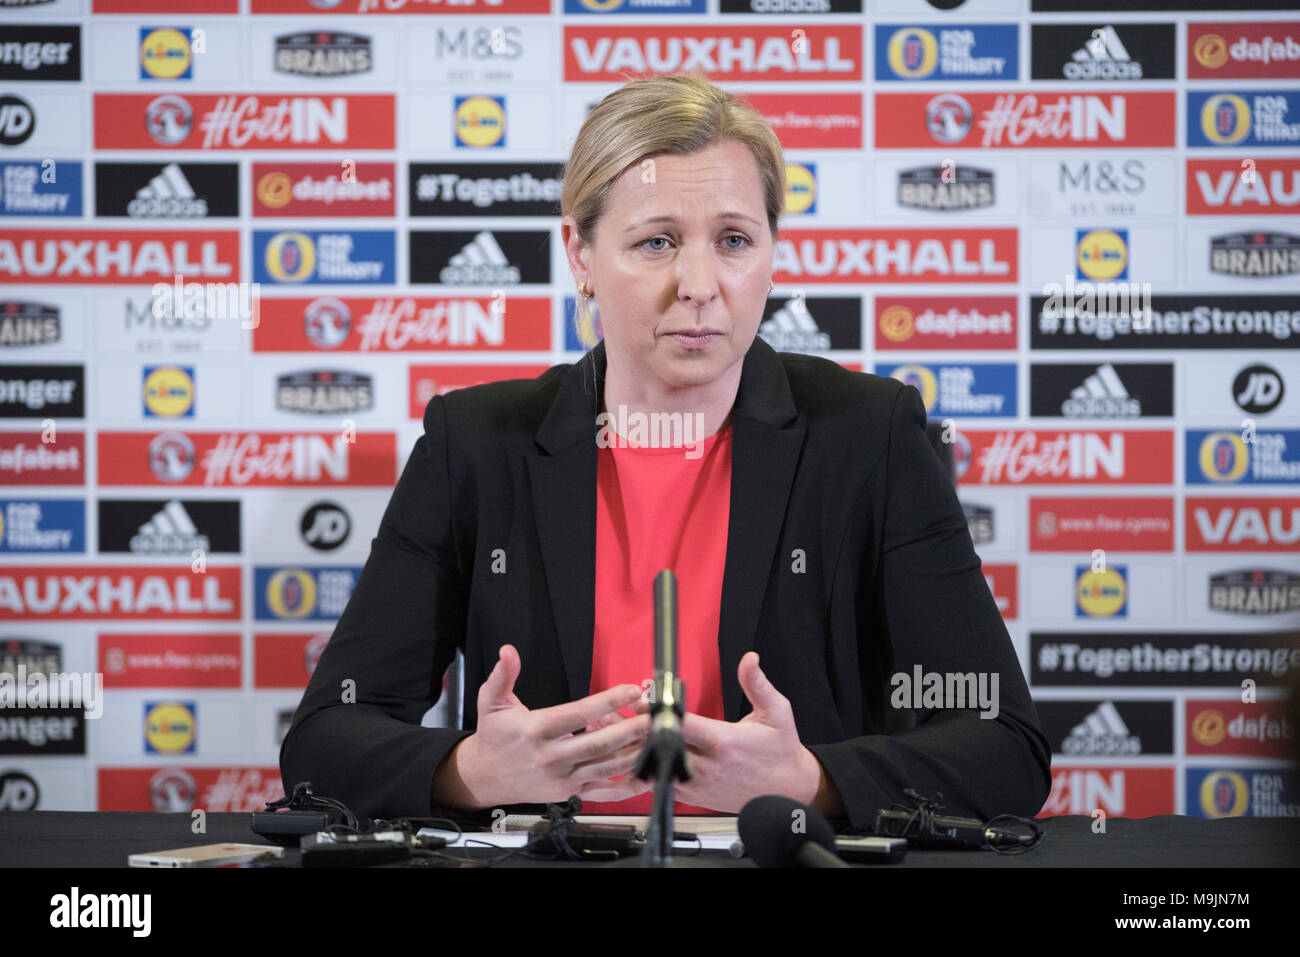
<point x="1102" y="733"/>
<point x="480" y="263"/>
<point x="170" y="531"/>
<point x="1103" y="57"/>
<point x="169" y="195"/>
<point x="1102" y="396"/>
<point x="793" y="329"/>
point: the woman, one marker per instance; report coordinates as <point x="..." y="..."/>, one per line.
<point x="809" y="523"/>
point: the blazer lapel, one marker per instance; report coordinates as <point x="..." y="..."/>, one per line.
<point x="766" y="442"/>
<point x="765" y="445"/>
<point x="564" y="505"/>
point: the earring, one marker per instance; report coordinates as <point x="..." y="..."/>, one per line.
<point x="582" y="288"/>
<point x="770" y="287"/>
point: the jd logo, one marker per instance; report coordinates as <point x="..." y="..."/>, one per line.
<point x="325" y="526"/>
<point x="18" y="791"/>
<point x="1258" y="389"/>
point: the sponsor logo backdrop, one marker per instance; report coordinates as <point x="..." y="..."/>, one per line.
<point x="963" y="181"/>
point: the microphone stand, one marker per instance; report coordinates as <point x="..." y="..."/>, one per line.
<point x="664" y="754"/>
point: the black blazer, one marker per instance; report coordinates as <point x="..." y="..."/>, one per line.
<point x="848" y="559"/>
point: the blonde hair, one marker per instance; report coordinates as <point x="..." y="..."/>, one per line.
<point x="677" y="114"/>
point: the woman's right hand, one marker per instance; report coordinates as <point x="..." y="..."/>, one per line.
<point x="519" y="756"/>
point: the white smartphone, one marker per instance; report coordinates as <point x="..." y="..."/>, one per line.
<point x="206" y="855"/>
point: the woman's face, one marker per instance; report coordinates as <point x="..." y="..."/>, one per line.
<point x="680" y="266"/>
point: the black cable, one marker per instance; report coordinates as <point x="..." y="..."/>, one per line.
<point x="1022" y="842"/>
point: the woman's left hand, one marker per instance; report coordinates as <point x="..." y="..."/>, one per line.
<point x="759" y="754"/>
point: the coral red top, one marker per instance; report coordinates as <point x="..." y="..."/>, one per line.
<point x="660" y="508"/>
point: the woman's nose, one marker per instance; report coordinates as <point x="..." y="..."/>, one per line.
<point x="697" y="278"/>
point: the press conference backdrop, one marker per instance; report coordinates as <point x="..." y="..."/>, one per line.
<point x="1075" y="234"/>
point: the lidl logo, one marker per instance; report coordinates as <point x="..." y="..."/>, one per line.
<point x="1223" y="457"/>
<point x="169" y="392"/>
<point x="1225" y="119"/>
<point x="800" y="188"/>
<point x="1101" y="254"/>
<point x="170" y="727"/>
<point x="165" y="53"/>
<point x="1101" y="593"/>
<point x="913" y="52"/>
<point x="480" y="121"/>
<point x="290" y="257"/>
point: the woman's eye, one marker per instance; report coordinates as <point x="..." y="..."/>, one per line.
<point x="656" y="239"/>
<point x="741" y="238"/>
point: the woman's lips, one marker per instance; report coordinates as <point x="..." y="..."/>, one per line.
<point x="695" y="338"/>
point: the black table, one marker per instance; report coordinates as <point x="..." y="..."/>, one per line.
<point x="105" y="839"/>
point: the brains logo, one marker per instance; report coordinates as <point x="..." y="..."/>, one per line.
<point x="169" y="727"/>
<point x="921" y="379"/>
<point x="602" y="6"/>
<point x="327" y="323"/>
<point x="172" y="790"/>
<point x="168" y="392"/>
<point x="165" y="54"/>
<point x="275" y="190"/>
<point x="291" y="593"/>
<point x="1210" y="51"/>
<point x="480" y="121"/>
<point x="291" y="257"/>
<point x="948" y="118"/>
<point x="1224" y="457"/>
<point x="171" y="456"/>
<point x="800" y="188"/>
<point x="169" y="119"/>
<point x="1224" y="794"/>
<point x="1225" y="119"/>
<point x="1101" y="594"/>
<point x="913" y="53"/>
<point x="897" y="323"/>
<point x="1208" y="727"/>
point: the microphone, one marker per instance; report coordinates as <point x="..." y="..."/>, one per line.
<point x="664" y="753"/>
<point x="781" y="832"/>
